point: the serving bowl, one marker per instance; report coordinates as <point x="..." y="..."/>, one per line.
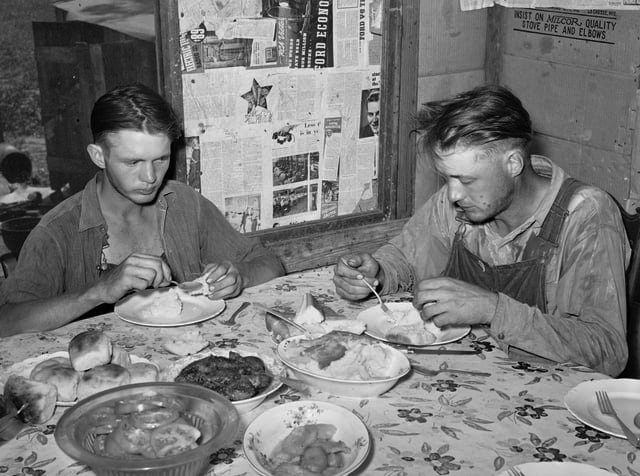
<point x="213" y="415"/>
<point x="274" y="368"/>
<point x="398" y="367"/>
<point x="267" y="431"/>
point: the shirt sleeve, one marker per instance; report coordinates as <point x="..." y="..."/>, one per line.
<point x="586" y="319"/>
<point x="422" y="248"/>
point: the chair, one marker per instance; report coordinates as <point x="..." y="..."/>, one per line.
<point x="632" y="227"/>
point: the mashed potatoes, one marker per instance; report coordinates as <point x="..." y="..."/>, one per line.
<point x="164" y="305"/>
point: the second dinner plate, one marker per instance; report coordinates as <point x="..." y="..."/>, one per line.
<point x="378" y="326"/>
<point x="625" y="398"/>
<point x="194" y="309"/>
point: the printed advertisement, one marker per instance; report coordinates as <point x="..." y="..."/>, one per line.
<point x="282" y="107"/>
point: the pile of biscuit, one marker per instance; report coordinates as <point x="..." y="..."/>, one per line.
<point x="94" y="364"/>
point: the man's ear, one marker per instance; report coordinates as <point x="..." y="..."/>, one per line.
<point x="515" y="162"/>
<point x="96" y="153"/>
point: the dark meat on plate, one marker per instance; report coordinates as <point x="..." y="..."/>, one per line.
<point x="235" y="377"/>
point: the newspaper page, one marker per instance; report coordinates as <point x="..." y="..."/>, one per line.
<point x="281" y="107"/>
<point x="568" y="4"/>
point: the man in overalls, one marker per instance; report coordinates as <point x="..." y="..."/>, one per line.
<point x="510" y="242"/>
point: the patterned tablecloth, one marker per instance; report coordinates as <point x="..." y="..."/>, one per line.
<point x="456" y="422"/>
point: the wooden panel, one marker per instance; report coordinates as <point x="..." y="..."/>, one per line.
<point x="322" y="249"/>
<point x="76" y="65"/>
<point x="590" y="107"/>
<point x="450" y="40"/>
<point x="605" y="169"/>
<point x="613" y="46"/>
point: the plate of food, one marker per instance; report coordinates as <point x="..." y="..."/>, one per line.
<point x="245" y="378"/>
<point x="62" y="378"/>
<point x="405" y="326"/>
<point x="625" y="398"/>
<point x="167" y="307"/>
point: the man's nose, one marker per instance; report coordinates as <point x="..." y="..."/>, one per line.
<point x="148" y="174"/>
<point x="454" y="192"/>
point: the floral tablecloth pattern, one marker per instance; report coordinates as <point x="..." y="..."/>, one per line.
<point x="482" y="414"/>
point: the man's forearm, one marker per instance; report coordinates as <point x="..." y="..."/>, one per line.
<point x="45" y="314"/>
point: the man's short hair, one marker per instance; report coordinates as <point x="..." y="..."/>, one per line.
<point x="478" y="117"/>
<point x="133" y="107"/>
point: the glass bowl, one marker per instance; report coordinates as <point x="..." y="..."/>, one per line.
<point x="213" y="415"/>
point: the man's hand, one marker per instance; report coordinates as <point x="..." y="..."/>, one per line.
<point x="447" y="301"/>
<point x="349" y="272"/>
<point x="137" y="271"/>
<point x="224" y="280"/>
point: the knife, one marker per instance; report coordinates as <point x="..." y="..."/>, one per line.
<point x="423" y="350"/>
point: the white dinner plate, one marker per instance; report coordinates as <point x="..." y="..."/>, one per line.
<point x="557" y="468"/>
<point x="194" y="309"/>
<point x="25" y="367"/>
<point x="378" y="326"/>
<point x="625" y="398"/>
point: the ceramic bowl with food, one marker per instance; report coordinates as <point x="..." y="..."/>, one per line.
<point x="160" y="428"/>
<point x="272" y="368"/>
<point x="348" y="379"/>
<point x="273" y="438"/>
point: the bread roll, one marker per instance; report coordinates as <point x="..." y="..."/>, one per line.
<point x="53" y="361"/>
<point x="120" y="356"/>
<point x="102" y="377"/>
<point x="185" y="342"/>
<point x="143" y="372"/>
<point x="65" y="379"/>
<point x="39" y="397"/>
<point x="89" y="349"/>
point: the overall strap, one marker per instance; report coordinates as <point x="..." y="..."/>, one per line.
<point x="552" y="224"/>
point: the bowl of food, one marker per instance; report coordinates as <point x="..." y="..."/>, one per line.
<point x="246" y="378"/>
<point x="306" y="438"/>
<point x="164" y="428"/>
<point x="342" y="363"/>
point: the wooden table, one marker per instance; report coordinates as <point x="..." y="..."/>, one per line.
<point x="452" y="423"/>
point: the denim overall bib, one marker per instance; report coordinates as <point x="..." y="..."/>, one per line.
<point x="524" y="281"/>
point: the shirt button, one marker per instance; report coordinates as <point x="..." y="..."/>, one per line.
<point x="501" y="336"/>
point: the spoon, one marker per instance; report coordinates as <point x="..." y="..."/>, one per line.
<point x="190" y="287"/>
<point x="283" y="318"/>
<point x="383" y="306"/>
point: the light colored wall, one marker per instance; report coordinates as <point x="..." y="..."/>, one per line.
<point x="582" y="95"/>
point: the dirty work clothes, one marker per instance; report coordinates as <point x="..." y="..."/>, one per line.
<point x="585" y="322"/>
<point x="63" y="253"/>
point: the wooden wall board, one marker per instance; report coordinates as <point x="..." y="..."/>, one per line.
<point x="605" y="169"/>
<point x="590" y="107"/>
<point x="450" y="40"/>
<point x="322" y="249"/>
<point x="616" y="49"/>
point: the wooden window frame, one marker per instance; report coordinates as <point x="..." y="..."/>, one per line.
<point x="321" y="242"/>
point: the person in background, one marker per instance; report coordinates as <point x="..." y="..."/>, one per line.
<point x="16" y="169"/>
<point x="372" y="126"/>
<point x="129" y="229"/>
<point x="510" y="242"/>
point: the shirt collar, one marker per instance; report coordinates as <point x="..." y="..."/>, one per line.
<point x="91" y="214"/>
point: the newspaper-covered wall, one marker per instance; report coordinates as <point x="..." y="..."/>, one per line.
<point x="570" y="4"/>
<point x="281" y="107"/>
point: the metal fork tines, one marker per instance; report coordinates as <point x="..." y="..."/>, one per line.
<point x="515" y="472"/>
<point x="607" y="409"/>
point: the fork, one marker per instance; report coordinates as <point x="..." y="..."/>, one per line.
<point x="607" y="409"/>
<point x="515" y="472"/>
<point x="383" y="306"/>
